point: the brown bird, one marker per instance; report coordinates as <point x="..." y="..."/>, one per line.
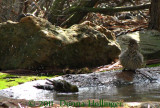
<point x="131" y="58"/>
<point x="59" y="86"/>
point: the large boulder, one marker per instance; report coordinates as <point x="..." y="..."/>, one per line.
<point x="149" y="42"/>
<point x="34" y="43"/>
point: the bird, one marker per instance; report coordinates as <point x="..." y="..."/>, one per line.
<point x="131" y="58"/>
<point x="59" y="86"/>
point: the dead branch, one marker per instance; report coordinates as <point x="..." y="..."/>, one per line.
<point x="108" y="11"/>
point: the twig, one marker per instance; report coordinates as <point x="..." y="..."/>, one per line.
<point x="20" y="105"/>
<point x="147" y="75"/>
<point x="49" y="80"/>
<point x="138" y="10"/>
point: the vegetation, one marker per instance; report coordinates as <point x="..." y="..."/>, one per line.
<point x="153" y="65"/>
<point x="65" y="13"/>
<point x="8" y="80"/>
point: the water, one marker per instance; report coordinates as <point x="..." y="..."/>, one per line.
<point x="113" y="86"/>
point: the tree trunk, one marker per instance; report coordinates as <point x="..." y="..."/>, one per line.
<point x="155" y="15"/>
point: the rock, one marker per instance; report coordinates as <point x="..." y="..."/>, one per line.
<point x="151" y="104"/>
<point x="34" y="43"/>
<point x="23" y="15"/>
<point x="148" y="41"/>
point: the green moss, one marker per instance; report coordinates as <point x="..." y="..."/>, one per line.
<point x="7" y="80"/>
<point x="153" y="65"/>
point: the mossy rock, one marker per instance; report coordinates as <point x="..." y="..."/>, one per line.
<point x="34" y="43"/>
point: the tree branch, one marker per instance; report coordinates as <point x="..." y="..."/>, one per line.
<point x="109" y="10"/>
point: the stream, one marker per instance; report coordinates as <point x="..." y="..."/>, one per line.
<point x="108" y="85"/>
